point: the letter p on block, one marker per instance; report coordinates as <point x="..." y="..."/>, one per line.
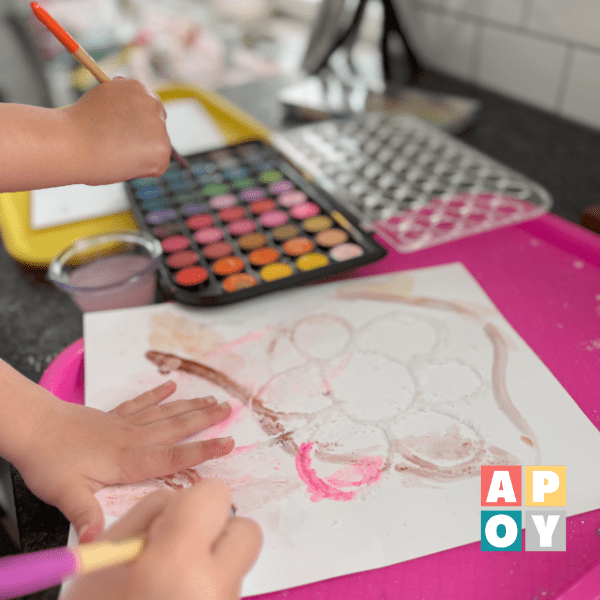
<point x="545" y="486"/>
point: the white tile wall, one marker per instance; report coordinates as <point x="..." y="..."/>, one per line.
<point x="526" y="68"/>
<point x="447" y="41"/>
<point x="574" y="20"/>
<point x="545" y="52"/>
<point x="582" y="99"/>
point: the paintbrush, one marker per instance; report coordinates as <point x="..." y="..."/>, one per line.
<point x="26" y="573"/>
<point x="82" y="56"/>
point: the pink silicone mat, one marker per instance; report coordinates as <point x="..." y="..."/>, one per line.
<point x="544" y="275"/>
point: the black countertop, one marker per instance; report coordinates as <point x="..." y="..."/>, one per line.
<point x="37" y="322"/>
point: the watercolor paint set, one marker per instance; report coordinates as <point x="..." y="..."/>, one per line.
<point x="242" y="221"/>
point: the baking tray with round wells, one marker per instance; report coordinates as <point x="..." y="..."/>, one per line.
<point x="243" y="221"/>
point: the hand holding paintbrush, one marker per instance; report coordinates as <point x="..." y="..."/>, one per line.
<point x="81" y="55"/>
<point x="184" y="545"/>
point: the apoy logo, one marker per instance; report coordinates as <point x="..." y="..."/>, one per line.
<point x="545" y="525"/>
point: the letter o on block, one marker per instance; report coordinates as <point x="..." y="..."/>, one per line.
<point x="491" y="531"/>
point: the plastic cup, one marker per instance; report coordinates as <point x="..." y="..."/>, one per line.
<point x="108" y="271"/>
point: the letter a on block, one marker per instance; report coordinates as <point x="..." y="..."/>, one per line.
<point x="501" y="485"/>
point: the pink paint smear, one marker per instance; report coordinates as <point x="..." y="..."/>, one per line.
<point x="366" y="471"/>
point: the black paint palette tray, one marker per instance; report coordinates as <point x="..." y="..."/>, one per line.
<point x="243" y="221"/>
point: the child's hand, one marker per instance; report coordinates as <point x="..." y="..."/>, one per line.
<point x="119" y="127"/>
<point x="75" y="451"/>
<point x="194" y="549"/>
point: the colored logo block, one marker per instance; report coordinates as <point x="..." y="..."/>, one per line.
<point x="501" y="530"/>
<point x="545" y="485"/>
<point x="501" y="486"/>
<point x="546" y="530"/>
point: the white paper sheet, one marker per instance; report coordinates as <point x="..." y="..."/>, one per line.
<point x="191" y="129"/>
<point x="363" y="411"/>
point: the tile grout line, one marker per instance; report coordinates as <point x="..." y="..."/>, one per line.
<point x="563" y="84"/>
<point x="519" y="29"/>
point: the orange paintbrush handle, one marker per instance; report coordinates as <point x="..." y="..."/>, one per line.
<point x="69" y="43"/>
<point x="82" y="56"/>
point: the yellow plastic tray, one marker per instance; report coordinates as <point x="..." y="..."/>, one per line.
<point x="37" y="247"/>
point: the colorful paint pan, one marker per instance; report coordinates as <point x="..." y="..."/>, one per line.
<point x="209" y="235"/>
<point x="160" y="216"/>
<point x="276" y="271"/>
<point x="292" y="198"/>
<point x="285" y="232"/>
<point x="239" y="281"/>
<point x="191" y="277"/>
<point x="232" y="214"/>
<point x="278" y="187"/>
<point x="228" y="266"/>
<point x="178" y="260"/>
<point x="312" y="261"/>
<point x="242" y="221"/>
<point x="194" y="209"/>
<point x="222" y="201"/>
<point x="253" y="193"/>
<point x="316" y="224"/>
<point x="273" y="218"/>
<point x="298" y="246"/>
<point x="331" y="237"/>
<point x="217" y="250"/>
<point x="270" y="176"/>
<point x="175" y="243"/>
<point x="305" y="210"/>
<point x="241" y="227"/>
<point x="200" y="221"/>
<point x="263" y="256"/>
<point x="262" y="206"/>
<point x="346" y="252"/>
<point x="252" y="241"/>
<point x="163" y="231"/>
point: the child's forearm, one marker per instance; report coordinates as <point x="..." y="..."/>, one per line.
<point x="39" y="147"/>
<point x="24" y="407"/>
<point x="115" y="131"/>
